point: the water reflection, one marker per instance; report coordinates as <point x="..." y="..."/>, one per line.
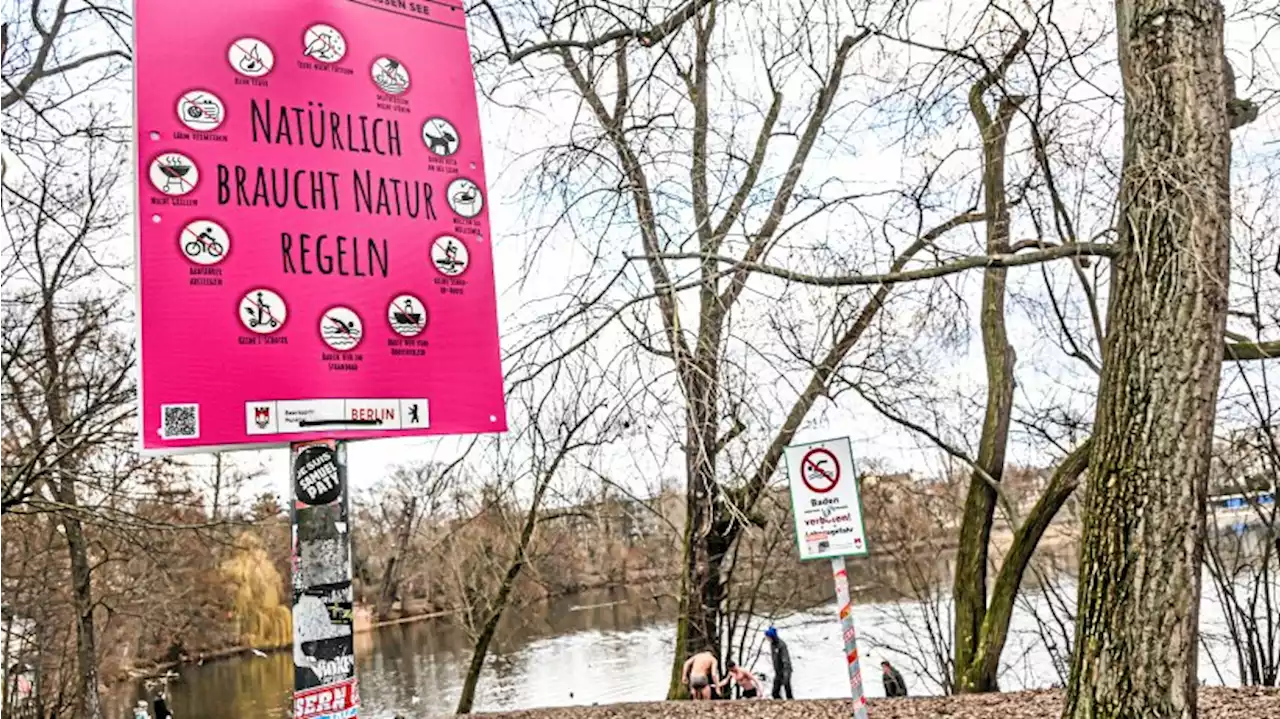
<point x="604" y="647"/>
<point x="567" y="651"/>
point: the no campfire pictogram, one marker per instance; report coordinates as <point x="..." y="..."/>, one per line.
<point x="820" y="470"/>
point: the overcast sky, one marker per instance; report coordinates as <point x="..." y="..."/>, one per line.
<point x="510" y="134"/>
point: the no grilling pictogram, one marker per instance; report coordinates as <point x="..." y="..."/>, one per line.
<point x="820" y="470"/>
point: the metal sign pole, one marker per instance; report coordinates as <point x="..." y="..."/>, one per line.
<point x="841" y="576"/>
<point x="324" y="666"/>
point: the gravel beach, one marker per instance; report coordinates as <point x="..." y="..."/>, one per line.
<point x="1215" y="703"/>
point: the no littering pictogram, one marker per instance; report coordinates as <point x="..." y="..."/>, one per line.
<point x="820" y="470"/>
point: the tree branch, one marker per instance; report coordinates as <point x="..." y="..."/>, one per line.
<point x="1247" y="351"/>
<point x="646" y="38"/>
<point x="761" y="241"/>
<point x="1082" y="249"/>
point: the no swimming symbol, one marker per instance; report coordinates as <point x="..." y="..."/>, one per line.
<point x="820" y="470"/>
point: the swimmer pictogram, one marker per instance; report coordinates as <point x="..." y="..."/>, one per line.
<point x="251" y="57"/>
<point x="341" y="328"/>
<point x="263" y="311"/>
<point x="449" y="255"/>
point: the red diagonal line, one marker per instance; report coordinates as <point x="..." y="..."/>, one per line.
<point x="246" y="52"/>
<point x="818" y="469"/>
<point x="264" y="307"/>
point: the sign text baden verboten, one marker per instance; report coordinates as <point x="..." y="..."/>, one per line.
<point x="825" y="500"/>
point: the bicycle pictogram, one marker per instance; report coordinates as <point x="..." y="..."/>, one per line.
<point x="204" y="242"/>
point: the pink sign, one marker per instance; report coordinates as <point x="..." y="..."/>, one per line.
<point x="314" y="250"/>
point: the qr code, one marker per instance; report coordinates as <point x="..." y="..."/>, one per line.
<point x="180" y="421"/>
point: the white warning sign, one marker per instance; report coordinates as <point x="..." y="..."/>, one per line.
<point x="825" y="499"/>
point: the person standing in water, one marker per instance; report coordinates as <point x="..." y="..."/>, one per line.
<point x="701" y="673"/>
<point x="746" y="682"/>
<point x="781" y="664"/>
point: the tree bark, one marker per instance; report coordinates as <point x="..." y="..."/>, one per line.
<point x="970" y="582"/>
<point x="985" y="667"/>
<point x="1142" y="543"/>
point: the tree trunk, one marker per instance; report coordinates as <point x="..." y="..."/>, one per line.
<point x="391" y="575"/>
<point x="704" y="507"/>
<point x="985" y="669"/>
<point x="1142" y="543"/>
<point x="480" y="649"/>
<point x="970" y="584"/>
<point x="63" y="485"/>
<point x="217" y="485"/>
<point x="86" y="644"/>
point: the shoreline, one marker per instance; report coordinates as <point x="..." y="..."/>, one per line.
<point x="1214" y="703"/>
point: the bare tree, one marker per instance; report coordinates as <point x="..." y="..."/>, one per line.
<point x="569" y="413"/>
<point x="1241" y="555"/>
<point x="40" y="47"/>
<point x="67" y="360"/>
<point x="412" y="493"/>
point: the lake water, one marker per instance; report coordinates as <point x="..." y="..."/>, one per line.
<point x="612" y="647"/>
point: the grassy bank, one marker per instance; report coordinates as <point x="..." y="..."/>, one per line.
<point x="1215" y="703"/>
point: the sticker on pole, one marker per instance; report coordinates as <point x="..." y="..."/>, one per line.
<point x="332" y="701"/>
<point x="825" y="500"/>
<point x="315" y="475"/>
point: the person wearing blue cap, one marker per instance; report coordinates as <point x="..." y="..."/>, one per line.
<point x="781" y="664"/>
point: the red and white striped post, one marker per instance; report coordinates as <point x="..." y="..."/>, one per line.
<point x="843" y="599"/>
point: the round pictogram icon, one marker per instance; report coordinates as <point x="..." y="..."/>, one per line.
<point x="324" y="43"/>
<point x="316" y="479"/>
<point x="465" y="198"/>
<point x="450" y="255"/>
<point x="390" y="75"/>
<point x="173" y="173"/>
<point x="200" y="110"/>
<point x="407" y="315"/>
<point x="263" y="311"/>
<point x="251" y="57"/>
<point x="204" y="242"/>
<point x="441" y="136"/>
<point x="341" y="328"/>
<point x="820" y="470"/>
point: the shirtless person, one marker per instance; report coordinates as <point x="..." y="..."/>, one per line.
<point x="701" y="673"/>
<point x="745" y="681"/>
